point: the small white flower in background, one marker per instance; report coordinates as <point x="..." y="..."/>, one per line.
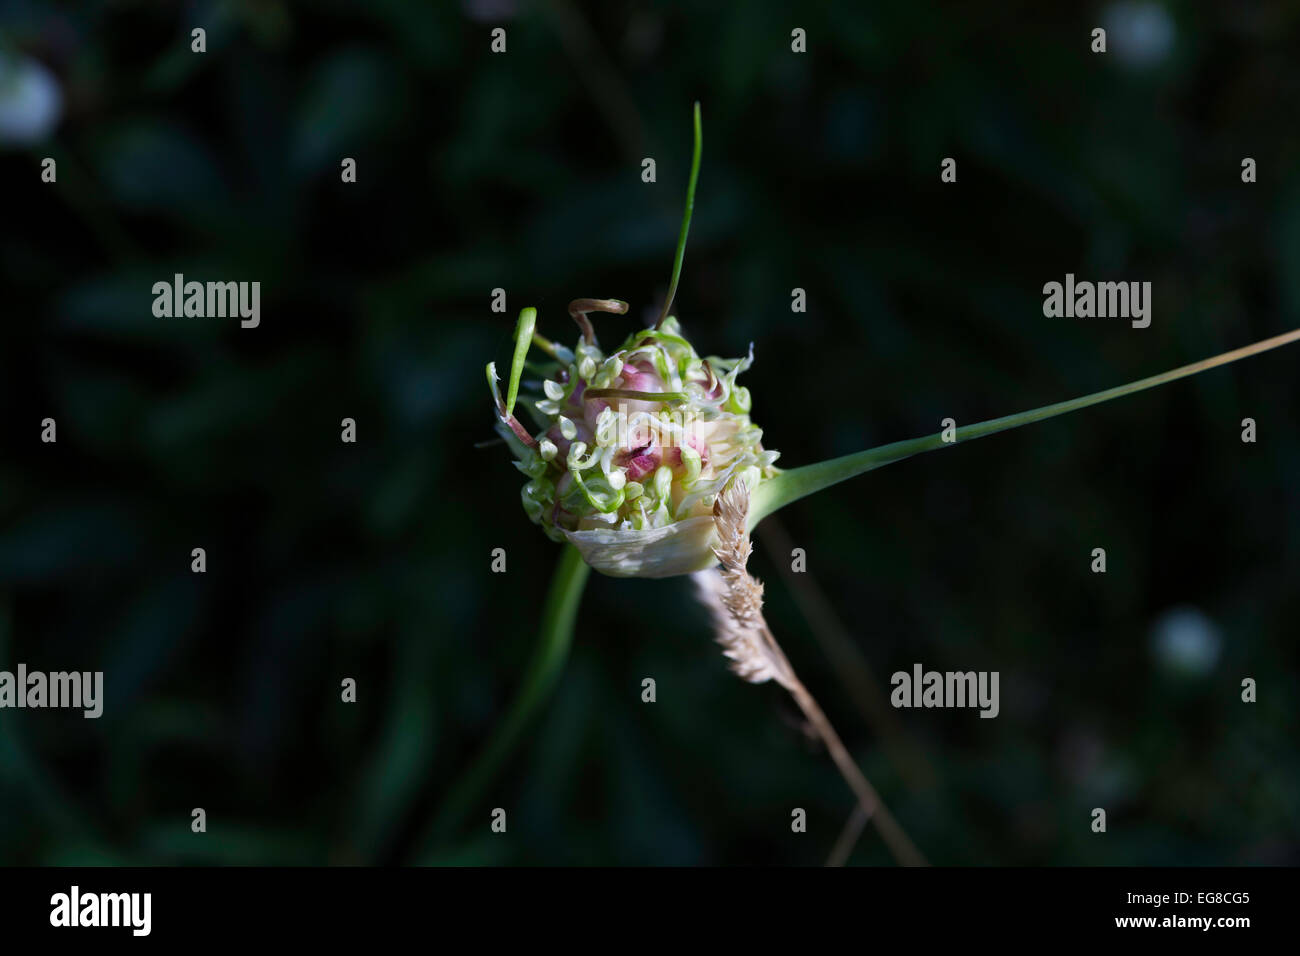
<point x="1186" y="642"/>
<point x="490" y="11"/>
<point x="31" y="102"/>
<point x="1141" y="34"/>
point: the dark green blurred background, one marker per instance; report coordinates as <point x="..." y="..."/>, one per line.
<point x="522" y="171"/>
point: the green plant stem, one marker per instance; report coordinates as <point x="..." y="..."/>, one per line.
<point x="788" y="486"/>
<point x="686" y="218"/>
<point x="554" y="640"/>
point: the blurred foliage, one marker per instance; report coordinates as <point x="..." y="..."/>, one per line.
<point x="522" y="171"/>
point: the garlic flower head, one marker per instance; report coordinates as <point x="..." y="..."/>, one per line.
<point x="634" y="447"/>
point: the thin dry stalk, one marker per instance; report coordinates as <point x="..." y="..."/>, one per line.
<point x="848" y="662"/>
<point x="735" y="601"/>
<point x="848" y="837"/>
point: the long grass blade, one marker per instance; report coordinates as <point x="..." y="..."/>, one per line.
<point x="788" y="486"/>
